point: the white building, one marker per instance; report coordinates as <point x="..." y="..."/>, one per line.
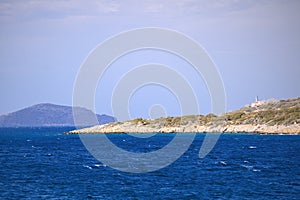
<point x="257" y="102"/>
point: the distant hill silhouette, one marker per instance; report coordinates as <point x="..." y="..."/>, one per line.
<point x="47" y="114"/>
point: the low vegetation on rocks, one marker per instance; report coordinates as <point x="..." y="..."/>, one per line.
<point x="271" y="116"/>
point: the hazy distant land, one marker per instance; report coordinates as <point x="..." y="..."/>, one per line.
<point x="264" y="117"/>
<point x="47" y="114"/>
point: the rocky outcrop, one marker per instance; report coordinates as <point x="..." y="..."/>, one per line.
<point x="272" y="117"/>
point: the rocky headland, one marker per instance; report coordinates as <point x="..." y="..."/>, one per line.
<point x="263" y="117"/>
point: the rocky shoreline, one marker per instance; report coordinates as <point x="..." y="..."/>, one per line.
<point x="265" y="117"/>
<point x="129" y="128"/>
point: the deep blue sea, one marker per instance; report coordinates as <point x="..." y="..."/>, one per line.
<point x="44" y="163"/>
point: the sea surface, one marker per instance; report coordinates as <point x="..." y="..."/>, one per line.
<point x="44" y="163"/>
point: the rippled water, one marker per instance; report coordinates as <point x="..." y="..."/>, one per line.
<point x="44" y="163"/>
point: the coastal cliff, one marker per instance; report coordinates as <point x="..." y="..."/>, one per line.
<point x="266" y="117"/>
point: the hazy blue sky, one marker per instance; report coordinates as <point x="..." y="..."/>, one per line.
<point x="255" y="45"/>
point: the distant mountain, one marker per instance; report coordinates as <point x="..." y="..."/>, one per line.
<point x="47" y="114"/>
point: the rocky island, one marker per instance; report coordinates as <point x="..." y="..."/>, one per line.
<point x="263" y="117"/>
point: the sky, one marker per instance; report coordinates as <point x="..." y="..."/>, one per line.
<point x="254" y="44"/>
